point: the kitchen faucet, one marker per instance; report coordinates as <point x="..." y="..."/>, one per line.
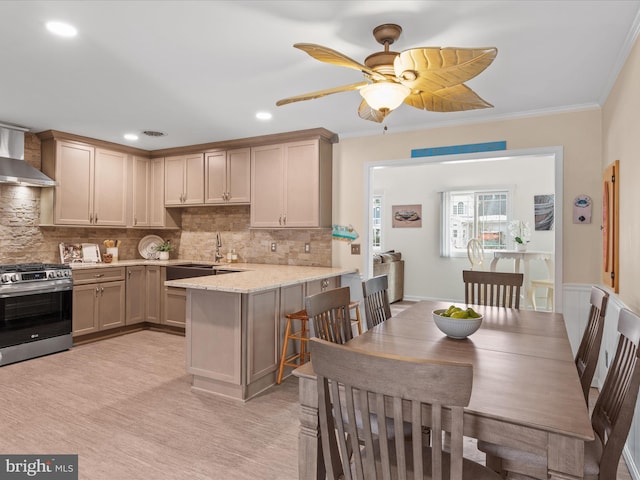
<point x="219" y="256"/>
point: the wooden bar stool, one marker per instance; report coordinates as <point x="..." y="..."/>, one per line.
<point x="302" y="336"/>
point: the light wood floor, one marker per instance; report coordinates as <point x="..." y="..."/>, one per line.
<point x="125" y="407"/>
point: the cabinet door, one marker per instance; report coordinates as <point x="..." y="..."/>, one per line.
<point x="85" y="315"/>
<point x="263" y="333"/>
<point x="140" y="191"/>
<point x="156" y="193"/>
<point x="111" y="309"/>
<point x="173" y="180"/>
<point x="216" y="177"/>
<point x="194" y="179"/>
<point x="175" y="306"/>
<point x="302" y="183"/>
<point x="136" y="295"/>
<point x="74" y="193"/>
<point x="239" y="176"/>
<point x="267" y="186"/>
<point x="110" y="191"/>
<point x="153" y="294"/>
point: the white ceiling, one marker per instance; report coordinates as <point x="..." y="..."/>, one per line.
<point x="200" y="70"/>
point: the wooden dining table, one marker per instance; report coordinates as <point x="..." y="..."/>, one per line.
<point x="526" y="391"/>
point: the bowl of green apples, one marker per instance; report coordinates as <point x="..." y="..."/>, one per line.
<point x="457" y="322"/>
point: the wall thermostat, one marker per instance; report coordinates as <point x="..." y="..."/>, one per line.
<point x="582" y="209"/>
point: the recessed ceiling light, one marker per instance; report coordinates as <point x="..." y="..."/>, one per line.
<point x="130" y="136"/>
<point x="263" y="116"/>
<point x="62" y="29"/>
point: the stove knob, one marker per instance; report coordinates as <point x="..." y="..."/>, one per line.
<point x="14" y="277"/>
<point x="67" y="273"/>
<point x="59" y="273"/>
<point x="4" y="278"/>
<point x="51" y="275"/>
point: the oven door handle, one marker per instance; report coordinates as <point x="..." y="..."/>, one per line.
<point x="33" y="289"/>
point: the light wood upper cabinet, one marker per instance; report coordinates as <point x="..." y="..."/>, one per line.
<point x="184" y="180"/>
<point x="228" y="177"/>
<point x="291" y="185"/>
<point x="73" y="169"/>
<point x="92" y="185"/>
<point x="141" y="201"/>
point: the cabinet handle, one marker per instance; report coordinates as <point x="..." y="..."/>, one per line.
<point x="280" y="220"/>
<point x="98" y="275"/>
<point x="135" y="221"/>
<point x="101" y="291"/>
<point x="95" y="220"/>
<point x="285" y="219"/>
<point x="97" y="291"/>
<point x="91" y="218"/>
<point x="129" y="273"/>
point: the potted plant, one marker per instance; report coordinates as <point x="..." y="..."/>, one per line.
<point x="163" y="249"/>
<point x="520" y="231"/>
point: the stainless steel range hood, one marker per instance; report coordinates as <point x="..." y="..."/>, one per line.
<point x="13" y="168"/>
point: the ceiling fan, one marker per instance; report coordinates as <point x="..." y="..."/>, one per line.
<point x="430" y="78"/>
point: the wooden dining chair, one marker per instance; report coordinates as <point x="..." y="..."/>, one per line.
<point x="352" y="381"/>
<point x="376" y="300"/>
<point x="497" y="289"/>
<point x="329" y="315"/>
<point x="611" y="417"/>
<point x="589" y="349"/>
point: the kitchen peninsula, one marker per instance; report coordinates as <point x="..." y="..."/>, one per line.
<point x="235" y="323"/>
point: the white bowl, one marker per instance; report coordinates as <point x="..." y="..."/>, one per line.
<point x="456" y="327"/>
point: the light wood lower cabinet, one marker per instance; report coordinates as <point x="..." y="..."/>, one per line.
<point x="153" y="296"/>
<point x="98" y="299"/>
<point x="136" y="295"/>
<point x="175" y="307"/>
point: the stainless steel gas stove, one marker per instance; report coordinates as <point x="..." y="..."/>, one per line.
<point x="35" y="310"/>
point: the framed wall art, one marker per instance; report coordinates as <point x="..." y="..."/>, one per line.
<point x="406" y="216"/>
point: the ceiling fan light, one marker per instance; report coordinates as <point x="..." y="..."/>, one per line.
<point x="385" y="95"/>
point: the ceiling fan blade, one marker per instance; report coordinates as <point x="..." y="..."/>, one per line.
<point x="366" y="112"/>
<point x="431" y="69"/>
<point x="452" y="99"/>
<point x="321" y="93"/>
<point x="328" y="55"/>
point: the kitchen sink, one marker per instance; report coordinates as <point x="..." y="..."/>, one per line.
<point x="190" y="270"/>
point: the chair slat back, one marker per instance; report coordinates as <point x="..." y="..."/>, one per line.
<point x="497" y="289"/>
<point x="329" y="315"/>
<point x="589" y="349"/>
<point x="613" y="412"/>
<point x="352" y="384"/>
<point x="475" y="253"/>
<point x="376" y="300"/>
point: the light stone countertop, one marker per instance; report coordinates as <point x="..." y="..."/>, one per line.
<point x="254" y="277"/>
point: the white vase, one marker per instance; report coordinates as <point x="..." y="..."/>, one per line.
<point x="163" y="255"/>
<point x="521" y="247"/>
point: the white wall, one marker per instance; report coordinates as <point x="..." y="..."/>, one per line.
<point x="427" y="275"/>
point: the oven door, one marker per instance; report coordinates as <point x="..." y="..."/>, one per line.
<point x="34" y="312"/>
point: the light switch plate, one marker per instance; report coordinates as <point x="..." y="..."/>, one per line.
<point x="273" y="246"/>
<point x="307" y="248"/>
<point x="355" y="249"/>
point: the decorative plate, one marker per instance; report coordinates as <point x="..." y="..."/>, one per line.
<point x="147" y="246"/>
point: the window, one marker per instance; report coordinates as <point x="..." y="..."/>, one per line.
<point x="474" y="214"/>
<point x="376" y="223"/>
